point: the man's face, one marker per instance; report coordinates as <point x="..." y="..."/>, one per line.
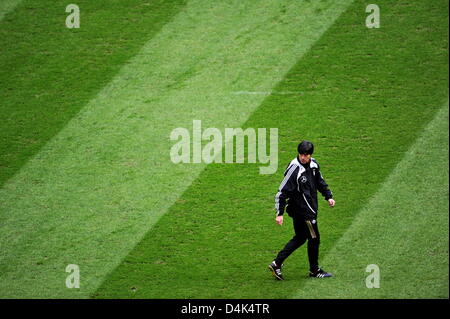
<point x="305" y="158"/>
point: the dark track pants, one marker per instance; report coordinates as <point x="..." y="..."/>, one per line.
<point x="304" y="230"/>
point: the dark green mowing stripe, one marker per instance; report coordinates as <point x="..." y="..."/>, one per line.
<point x="49" y="72"/>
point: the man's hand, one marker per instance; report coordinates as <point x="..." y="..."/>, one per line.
<point x="279" y="220"/>
<point x="331" y="202"/>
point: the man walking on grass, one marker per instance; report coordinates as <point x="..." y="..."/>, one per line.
<point x="298" y="195"/>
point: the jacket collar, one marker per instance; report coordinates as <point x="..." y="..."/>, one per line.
<point x="312" y="164"/>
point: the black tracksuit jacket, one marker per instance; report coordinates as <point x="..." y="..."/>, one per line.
<point x="298" y="190"/>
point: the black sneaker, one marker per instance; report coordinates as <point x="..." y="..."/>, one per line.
<point x="276" y="270"/>
<point x="320" y="273"/>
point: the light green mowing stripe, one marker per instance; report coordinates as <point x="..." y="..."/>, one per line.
<point x="91" y="194"/>
<point x="403" y="230"/>
<point x="7" y="6"/>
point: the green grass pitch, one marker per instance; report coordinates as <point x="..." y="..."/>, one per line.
<point x="85" y="171"/>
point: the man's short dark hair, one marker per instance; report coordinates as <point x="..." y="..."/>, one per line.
<point x="305" y="147"/>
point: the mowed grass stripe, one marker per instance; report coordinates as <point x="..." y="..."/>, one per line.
<point x="403" y="230"/>
<point x="49" y="72"/>
<point x="367" y="94"/>
<point x="7" y="6"/>
<point x="95" y="189"/>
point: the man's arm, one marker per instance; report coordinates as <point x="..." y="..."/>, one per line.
<point x="287" y="186"/>
<point x="323" y="188"/>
